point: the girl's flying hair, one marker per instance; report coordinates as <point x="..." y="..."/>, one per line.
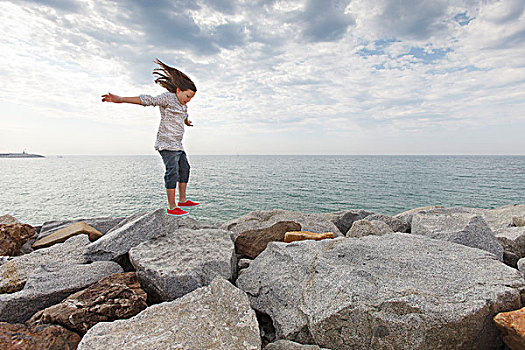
<point x="171" y="78"/>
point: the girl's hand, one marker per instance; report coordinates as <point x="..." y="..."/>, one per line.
<point x="188" y="122"/>
<point x="109" y="97"/>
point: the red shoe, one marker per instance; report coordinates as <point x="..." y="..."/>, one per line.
<point x="188" y="203"/>
<point x="177" y="212"/>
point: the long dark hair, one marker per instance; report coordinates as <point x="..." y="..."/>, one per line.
<point x="171" y="78"/>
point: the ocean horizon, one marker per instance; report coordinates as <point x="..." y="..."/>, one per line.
<point x="62" y="187"/>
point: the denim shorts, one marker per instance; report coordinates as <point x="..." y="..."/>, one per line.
<point x="177" y="167"/>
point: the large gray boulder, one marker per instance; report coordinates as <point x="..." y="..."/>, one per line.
<point x="175" y="264"/>
<point x="103" y="225"/>
<point x="214" y="317"/>
<point x="457" y="225"/>
<point x="407" y="215"/>
<point x="134" y="230"/>
<point x="49" y="285"/>
<point x="395" y="224"/>
<point x="13" y="273"/>
<point x="396" y="291"/>
<point x="364" y="227"/>
<point x="259" y="219"/>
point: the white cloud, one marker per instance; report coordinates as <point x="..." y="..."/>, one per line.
<point x="272" y="77"/>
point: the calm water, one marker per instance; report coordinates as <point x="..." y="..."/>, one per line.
<point x="39" y="190"/>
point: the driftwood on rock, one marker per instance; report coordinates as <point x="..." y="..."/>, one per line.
<point x="252" y="242"/>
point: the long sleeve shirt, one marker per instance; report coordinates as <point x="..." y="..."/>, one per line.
<point x="172" y="116"/>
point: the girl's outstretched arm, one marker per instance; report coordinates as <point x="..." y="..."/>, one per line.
<point x="109" y="97"/>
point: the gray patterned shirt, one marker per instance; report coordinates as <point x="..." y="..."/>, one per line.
<point x="172" y="115"/>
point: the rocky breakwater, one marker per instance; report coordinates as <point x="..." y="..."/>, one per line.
<point x="429" y="278"/>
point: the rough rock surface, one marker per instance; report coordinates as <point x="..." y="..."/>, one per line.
<point x="365" y="227"/>
<point x="459" y="226"/>
<point x="345" y="218"/>
<point x="512" y="327"/>
<point x="395" y="224"/>
<point x="518" y="221"/>
<point x="13" y="274"/>
<point x="214" y="317"/>
<point x="173" y="265"/>
<point x="265" y="218"/>
<point x="134" y="230"/>
<point x="49" y="285"/>
<point x="407" y="215"/>
<point x="290" y="345"/>
<point x="67" y="232"/>
<point x="252" y="242"/>
<point x="8" y="219"/>
<point x="385" y="292"/>
<point x="43" y="337"/>
<point x="13" y="236"/>
<point x="103" y="225"/>
<point x="118" y="296"/>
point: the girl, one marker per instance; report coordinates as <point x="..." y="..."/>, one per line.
<point x="173" y="117"/>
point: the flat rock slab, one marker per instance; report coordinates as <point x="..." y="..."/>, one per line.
<point x="13" y="274"/>
<point x="214" y="317"/>
<point x="252" y="242"/>
<point x="103" y="225"/>
<point x="265" y="218"/>
<point x="173" y="265"/>
<point x="361" y="228"/>
<point x="382" y="292"/>
<point x="134" y="230"/>
<point x="49" y="285"/>
<point x="43" y="337"/>
<point x="117" y="296"/>
<point x="458" y="225"/>
<point x="62" y="235"/>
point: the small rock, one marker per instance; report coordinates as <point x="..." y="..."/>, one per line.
<point x="214" y="317"/>
<point x="118" y="296"/>
<point x="364" y="227"/>
<point x="344" y="219"/>
<point x="294" y="236"/>
<point x="512" y="328"/>
<point x="395" y="224"/>
<point x="244" y="263"/>
<point x="42" y="337"/>
<point x="407" y="215"/>
<point x="65" y="233"/>
<point x="252" y="242"/>
<point x="13" y="236"/>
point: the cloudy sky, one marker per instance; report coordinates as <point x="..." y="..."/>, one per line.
<point x="273" y="77"/>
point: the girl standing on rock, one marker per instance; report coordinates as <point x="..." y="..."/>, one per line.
<point x="173" y="117"/>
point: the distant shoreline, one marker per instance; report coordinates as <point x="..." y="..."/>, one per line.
<point x="20" y="155"/>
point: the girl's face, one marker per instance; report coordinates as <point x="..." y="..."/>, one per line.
<point x="184" y="96"/>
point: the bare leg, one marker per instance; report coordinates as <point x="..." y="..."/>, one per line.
<point x="171" y="197"/>
<point x="182" y="191"/>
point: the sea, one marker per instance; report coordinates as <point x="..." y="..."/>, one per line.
<point x="37" y="190"/>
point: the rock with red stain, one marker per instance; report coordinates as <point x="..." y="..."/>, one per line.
<point x="512" y="328"/>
